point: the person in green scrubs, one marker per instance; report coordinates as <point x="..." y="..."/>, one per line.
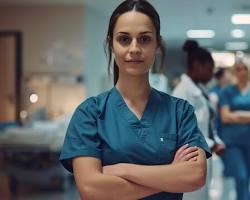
<point x="134" y="142"/>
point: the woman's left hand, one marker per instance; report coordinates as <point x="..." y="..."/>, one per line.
<point x="185" y="153"/>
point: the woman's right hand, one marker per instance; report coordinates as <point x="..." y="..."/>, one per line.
<point x="185" y="153"/>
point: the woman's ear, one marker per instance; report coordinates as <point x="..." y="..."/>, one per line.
<point x="108" y="38"/>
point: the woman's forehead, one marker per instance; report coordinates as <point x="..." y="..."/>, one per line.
<point x="134" y="21"/>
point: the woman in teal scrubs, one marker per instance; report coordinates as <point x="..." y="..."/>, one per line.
<point x="235" y="130"/>
<point x="134" y="142"/>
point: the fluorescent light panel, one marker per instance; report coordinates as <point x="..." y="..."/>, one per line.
<point x="240" y="19"/>
<point x="200" y="33"/>
<point x="223" y="59"/>
<point x="236" y="46"/>
<point x="237" y="33"/>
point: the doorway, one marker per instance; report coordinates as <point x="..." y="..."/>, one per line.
<point x="10" y="76"/>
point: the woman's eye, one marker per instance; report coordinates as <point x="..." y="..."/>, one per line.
<point x="241" y="69"/>
<point x="144" y="39"/>
<point x="124" y="40"/>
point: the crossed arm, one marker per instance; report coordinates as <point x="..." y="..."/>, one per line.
<point x="129" y="181"/>
<point x="239" y="117"/>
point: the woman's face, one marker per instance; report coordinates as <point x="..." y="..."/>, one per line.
<point x="134" y="43"/>
<point x="205" y="72"/>
<point x="241" y="72"/>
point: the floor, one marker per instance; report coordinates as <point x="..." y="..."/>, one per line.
<point x="221" y="188"/>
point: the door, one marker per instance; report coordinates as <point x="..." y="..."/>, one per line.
<point x="10" y="76"/>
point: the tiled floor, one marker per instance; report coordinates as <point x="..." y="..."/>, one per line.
<point x="220" y="189"/>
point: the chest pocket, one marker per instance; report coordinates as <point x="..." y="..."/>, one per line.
<point x="167" y="147"/>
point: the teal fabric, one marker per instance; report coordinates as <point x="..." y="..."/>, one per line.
<point x="232" y="133"/>
<point x="236" y="158"/>
<point x="105" y="128"/>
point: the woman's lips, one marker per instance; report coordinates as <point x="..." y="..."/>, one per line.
<point x="134" y="61"/>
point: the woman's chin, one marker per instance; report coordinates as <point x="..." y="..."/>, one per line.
<point x="137" y="72"/>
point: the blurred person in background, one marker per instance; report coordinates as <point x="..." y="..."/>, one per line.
<point x="200" y="65"/>
<point x="235" y="129"/>
<point x="174" y="81"/>
<point x="223" y="78"/>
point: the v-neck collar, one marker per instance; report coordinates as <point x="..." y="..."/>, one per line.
<point x="147" y="116"/>
<point x="243" y="93"/>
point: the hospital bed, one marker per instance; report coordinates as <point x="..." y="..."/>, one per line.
<point x="29" y="154"/>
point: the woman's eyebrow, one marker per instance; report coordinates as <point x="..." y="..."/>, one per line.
<point x="141" y="33"/>
<point x="146" y="32"/>
<point x="121" y="32"/>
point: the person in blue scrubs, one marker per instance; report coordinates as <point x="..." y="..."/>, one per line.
<point x="134" y="142"/>
<point x="223" y="78"/>
<point x="235" y="130"/>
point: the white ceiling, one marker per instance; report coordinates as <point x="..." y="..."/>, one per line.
<point x="178" y="16"/>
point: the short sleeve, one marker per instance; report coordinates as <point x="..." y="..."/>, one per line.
<point x="189" y="133"/>
<point x="82" y="137"/>
<point x="225" y="97"/>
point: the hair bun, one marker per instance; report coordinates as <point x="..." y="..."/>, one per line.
<point x="190" y="45"/>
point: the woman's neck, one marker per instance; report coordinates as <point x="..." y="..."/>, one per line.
<point x="134" y="88"/>
<point x="242" y="85"/>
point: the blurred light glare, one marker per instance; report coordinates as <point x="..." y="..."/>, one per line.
<point x="237" y="33"/>
<point x="33" y="98"/>
<point x="240" y="19"/>
<point x="236" y="46"/>
<point x="200" y="33"/>
<point x="23" y="114"/>
<point x="223" y="59"/>
<point x="240" y="54"/>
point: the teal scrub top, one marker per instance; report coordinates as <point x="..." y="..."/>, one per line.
<point x="232" y="133"/>
<point x="105" y="128"/>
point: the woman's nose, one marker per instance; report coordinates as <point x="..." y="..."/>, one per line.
<point x="134" y="47"/>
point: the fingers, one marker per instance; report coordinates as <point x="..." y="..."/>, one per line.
<point x="180" y="150"/>
<point x="193" y="159"/>
<point x="186" y="153"/>
<point x="188" y="150"/>
<point x="219" y="149"/>
<point x="190" y="155"/>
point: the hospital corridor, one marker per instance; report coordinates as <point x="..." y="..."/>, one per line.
<point x="138" y="93"/>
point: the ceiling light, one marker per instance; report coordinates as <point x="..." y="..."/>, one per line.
<point x="237" y="33"/>
<point x="200" y="33"/>
<point x="236" y="46"/>
<point x="33" y="98"/>
<point x="240" y="19"/>
<point x="223" y="59"/>
<point x="239" y="54"/>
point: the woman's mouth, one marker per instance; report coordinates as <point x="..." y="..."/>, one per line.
<point x="134" y="61"/>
